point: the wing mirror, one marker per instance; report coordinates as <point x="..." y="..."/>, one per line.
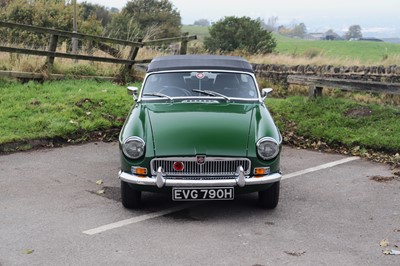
<point x="134" y="92"/>
<point x="265" y="92"/>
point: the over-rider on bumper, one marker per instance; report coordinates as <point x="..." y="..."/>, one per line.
<point x="160" y="180"/>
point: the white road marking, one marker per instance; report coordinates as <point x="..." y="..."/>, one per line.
<point x="145" y="217"/>
<point x="319" y="167"/>
<point x="140" y="218"/>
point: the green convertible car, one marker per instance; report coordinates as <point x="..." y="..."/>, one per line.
<point x="200" y="130"/>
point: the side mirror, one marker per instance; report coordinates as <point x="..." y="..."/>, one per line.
<point x="265" y="92"/>
<point x="133" y="91"/>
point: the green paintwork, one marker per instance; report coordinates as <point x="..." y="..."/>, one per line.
<point x="187" y="129"/>
<point x="226" y="129"/>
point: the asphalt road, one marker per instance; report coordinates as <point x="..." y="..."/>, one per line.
<point x="329" y="214"/>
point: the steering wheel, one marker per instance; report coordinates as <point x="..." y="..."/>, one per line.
<point x="174" y="91"/>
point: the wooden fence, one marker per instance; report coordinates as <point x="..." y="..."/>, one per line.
<point x="102" y="43"/>
<point x="316" y="85"/>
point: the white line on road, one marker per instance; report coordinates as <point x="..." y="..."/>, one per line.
<point x="140" y="218"/>
<point x="319" y="167"/>
<point x="144" y="217"/>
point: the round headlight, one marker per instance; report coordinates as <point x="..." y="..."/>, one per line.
<point x="267" y="148"/>
<point x="133" y="147"/>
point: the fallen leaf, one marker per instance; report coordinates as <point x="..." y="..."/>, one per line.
<point x="29" y="251"/>
<point x="391" y="252"/>
<point x="384" y="243"/>
<point x="295" y="254"/>
<point x="88" y="113"/>
<point x="101" y="191"/>
<point x="99" y="182"/>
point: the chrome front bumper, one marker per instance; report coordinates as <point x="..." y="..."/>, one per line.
<point x="161" y="181"/>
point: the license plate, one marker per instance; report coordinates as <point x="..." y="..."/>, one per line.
<point x="215" y="193"/>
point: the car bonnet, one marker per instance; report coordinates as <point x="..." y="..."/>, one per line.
<point x="188" y="129"/>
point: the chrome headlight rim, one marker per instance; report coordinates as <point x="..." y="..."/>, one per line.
<point x="135" y="139"/>
<point x="268" y="139"/>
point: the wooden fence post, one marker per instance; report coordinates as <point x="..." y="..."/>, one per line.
<point x="52" y="48"/>
<point x="184" y="44"/>
<point x="314" y="91"/>
<point x="132" y="55"/>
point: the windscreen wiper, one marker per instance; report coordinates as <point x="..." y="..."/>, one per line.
<point x="157" y="94"/>
<point x="212" y="93"/>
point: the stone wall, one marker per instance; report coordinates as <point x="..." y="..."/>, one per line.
<point x="277" y="74"/>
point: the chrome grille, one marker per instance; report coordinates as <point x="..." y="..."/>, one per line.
<point x="213" y="167"/>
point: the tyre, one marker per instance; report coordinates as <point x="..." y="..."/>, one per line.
<point x="269" y="198"/>
<point x="130" y="197"/>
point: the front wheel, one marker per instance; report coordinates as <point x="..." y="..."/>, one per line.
<point x="269" y="198"/>
<point x="131" y="198"/>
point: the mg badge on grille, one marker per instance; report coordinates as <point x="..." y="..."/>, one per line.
<point x="201" y="159"/>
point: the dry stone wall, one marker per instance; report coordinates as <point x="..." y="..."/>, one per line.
<point x="278" y="74"/>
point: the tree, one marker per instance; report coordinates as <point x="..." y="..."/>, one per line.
<point x="232" y="33"/>
<point x="202" y="22"/>
<point x="296" y="30"/>
<point x="124" y="28"/>
<point x="299" y="30"/>
<point x="43" y="13"/>
<point x="331" y="35"/>
<point x="154" y="13"/>
<point x="353" y="32"/>
<point x="271" y="24"/>
<point x="100" y="12"/>
<point x="4" y="3"/>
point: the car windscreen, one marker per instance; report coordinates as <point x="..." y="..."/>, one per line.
<point x="200" y="84"/>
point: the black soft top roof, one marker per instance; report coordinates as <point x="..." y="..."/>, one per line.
<point x="215" y="62"/>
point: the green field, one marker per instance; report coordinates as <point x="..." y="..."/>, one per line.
<point x="363" y="51"/>
<point x="357" y="52"/>
<point x="200" y="31"/>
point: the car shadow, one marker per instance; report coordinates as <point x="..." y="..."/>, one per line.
<point x="243" y="204"/>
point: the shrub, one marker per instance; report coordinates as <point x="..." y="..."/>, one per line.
<point x="232" y="33"/>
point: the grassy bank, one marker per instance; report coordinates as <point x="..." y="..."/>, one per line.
<point x="59" y="109"/>
<point x="338" y="122"/>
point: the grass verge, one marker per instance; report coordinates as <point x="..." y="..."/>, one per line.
<point x="343" y="125"/>
<point x="62" y="109"/>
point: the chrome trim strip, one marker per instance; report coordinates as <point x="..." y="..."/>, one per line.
<point x="185" y="99"/>
<point x="152" y="181"/>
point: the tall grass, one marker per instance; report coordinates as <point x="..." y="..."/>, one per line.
<point x="31" y="63"/>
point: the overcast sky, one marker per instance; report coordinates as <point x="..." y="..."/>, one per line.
<point x="374" y="16"/>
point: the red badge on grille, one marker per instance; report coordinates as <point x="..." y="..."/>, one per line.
<point x="178" y="166"/>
